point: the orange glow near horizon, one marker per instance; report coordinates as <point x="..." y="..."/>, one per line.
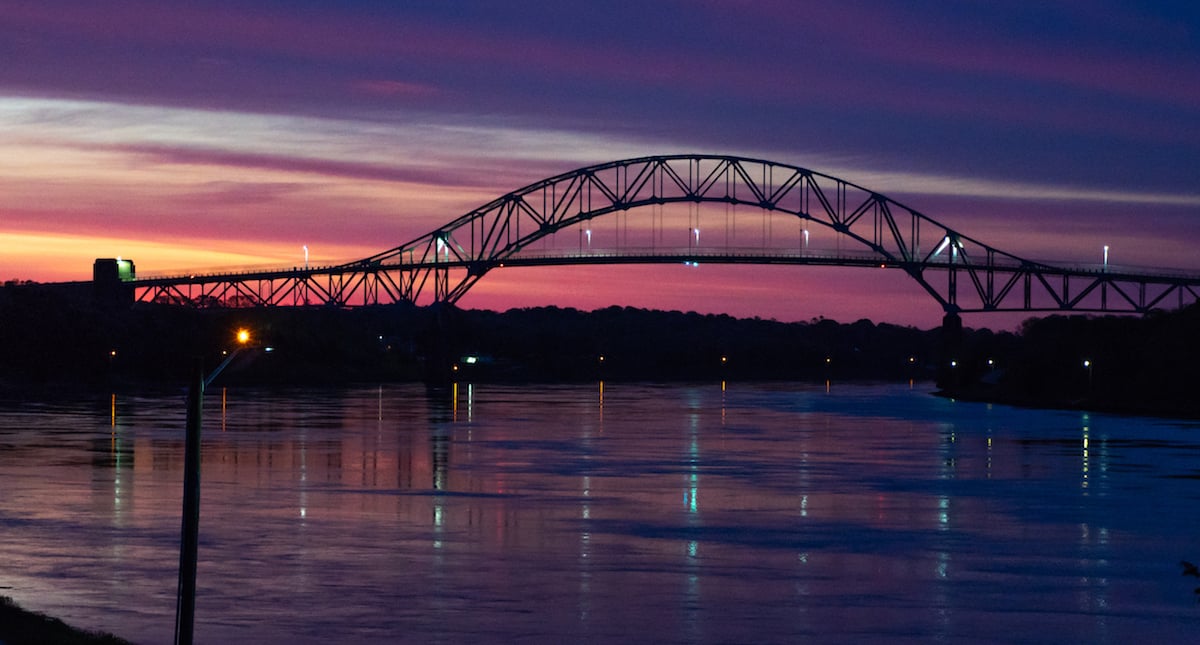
<point x="42" y="257"/>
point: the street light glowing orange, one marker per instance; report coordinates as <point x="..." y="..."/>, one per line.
<point x="243" y="336"/>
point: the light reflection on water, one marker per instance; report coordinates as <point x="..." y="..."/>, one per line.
<point x="605" y="513"/>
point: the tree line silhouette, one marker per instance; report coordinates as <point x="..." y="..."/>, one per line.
<point x="50" y="337"/>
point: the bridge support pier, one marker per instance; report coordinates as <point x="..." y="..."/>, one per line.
<point x="950" y="365"/>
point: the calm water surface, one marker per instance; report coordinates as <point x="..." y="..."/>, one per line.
<point x="610" y="513"/>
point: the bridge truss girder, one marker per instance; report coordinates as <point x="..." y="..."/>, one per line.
<point x="1007" y="290"/>
<point x="441" y="266"/>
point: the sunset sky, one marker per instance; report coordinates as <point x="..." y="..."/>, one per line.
<point x="233" y="133"/>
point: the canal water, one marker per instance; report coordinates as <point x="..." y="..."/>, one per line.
<point x="606" y="513"/>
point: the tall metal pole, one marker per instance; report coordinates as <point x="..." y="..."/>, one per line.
<point x="189" y="539"/>
<point x="185" y="599"/>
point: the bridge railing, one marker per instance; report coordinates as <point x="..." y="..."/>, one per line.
<point x="220" y="273"/>
<point x="632" y="254"/>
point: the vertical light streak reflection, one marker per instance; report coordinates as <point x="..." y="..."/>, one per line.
<point x="585" y="535"/>
<point x="989" y="453"/>
<point x="585" y="554"/>
<point x="944" y="523"/>
<point x="223" y="390"/>
<point x="691" y="495"/>
<point x="440" y="446"/>
<point x="949" y="454"/>
<point x="1093" y="597"/>
<point x="1085" y="457"/>
<point x="116" y="450"/>
<point x="379" y="420"/>
<point x="439" y="521"/>
<point x="943" y="566"/>
<point x="303" y="474"/>
<point x="691" y="500"/>
<point x="722" y="403"/>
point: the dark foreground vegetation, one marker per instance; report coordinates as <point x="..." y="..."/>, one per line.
<point x="21" y="627"/>
<point x="57" y="338"/>
<point x="52" y="338"/>
<point x="1136" y="365"/>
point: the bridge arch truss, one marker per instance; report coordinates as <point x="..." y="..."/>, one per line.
<point x="960" y="273"/>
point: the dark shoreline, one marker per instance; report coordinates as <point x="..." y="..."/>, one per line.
<point x="56" y="342"/>
<point x="20" y="626"/>
<point x="1132" y="409"/>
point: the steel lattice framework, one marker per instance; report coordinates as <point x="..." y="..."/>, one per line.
<point x="962" y="274"/>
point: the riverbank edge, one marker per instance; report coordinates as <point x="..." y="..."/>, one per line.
<point x="1124" y="408"/>
<point x="19" y="626"/>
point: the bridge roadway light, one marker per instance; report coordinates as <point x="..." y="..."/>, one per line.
<point x="243" y="336"/>
<point x="942" y="246"/>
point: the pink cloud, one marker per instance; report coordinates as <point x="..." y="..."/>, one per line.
<point x="394" y="88"/>
<point x="435" y="175"/>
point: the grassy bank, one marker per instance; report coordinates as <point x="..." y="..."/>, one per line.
<point x="21" y="627"/>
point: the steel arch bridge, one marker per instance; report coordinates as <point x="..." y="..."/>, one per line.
<point x="960" y="273"/>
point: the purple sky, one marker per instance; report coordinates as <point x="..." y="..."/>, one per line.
<point x="229" y="134"/>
